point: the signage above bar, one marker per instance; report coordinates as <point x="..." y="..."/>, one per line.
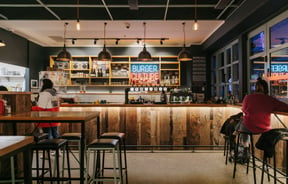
<point x="144" y="74"/>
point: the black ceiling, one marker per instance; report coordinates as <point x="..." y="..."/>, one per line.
<point x="116" y="9"/>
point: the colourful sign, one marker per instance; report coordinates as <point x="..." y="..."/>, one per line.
<point x="279" y="72"/>
<point x="144" y="74"/>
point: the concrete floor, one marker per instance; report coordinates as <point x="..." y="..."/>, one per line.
<point x="183" y="167"/>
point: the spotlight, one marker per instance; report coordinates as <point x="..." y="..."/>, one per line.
<point x="138" y="40"/>
<point x="73" y="41"/>
<point x="117" y="41"/>
<point x="161" y="41"/>
<point x="95" y="41"/>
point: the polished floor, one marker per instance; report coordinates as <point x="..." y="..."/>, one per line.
<point x="183" y="167"/>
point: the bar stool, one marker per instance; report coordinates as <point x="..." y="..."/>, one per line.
<point x="251" y="148"/>
<point x="73" y="138"/>
<point x="98" y="147"/>
<point x="226" y="147"/>
<point x="13" y="180"/>
<point x="46" y="146"/>
<point x="122" y="146"/>
<point x="267" y="142"/>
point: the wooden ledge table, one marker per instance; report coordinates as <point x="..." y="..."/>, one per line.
<point x="11" y="146"/>
<point x="61" y="116"/>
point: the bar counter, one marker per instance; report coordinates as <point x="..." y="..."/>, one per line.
<point x="173" y="126"/>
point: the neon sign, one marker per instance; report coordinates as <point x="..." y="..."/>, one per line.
<point x="144" y="74"/>
<point x="279" y="68"/>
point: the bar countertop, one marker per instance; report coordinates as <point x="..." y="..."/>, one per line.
<point x="145" y="105"/>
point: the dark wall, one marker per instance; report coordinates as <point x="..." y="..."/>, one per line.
<point x="15" y="51"/>
<point x="21" y="52"/>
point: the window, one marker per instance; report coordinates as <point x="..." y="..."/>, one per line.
<point x="257" y="67"/>
<point x="279" y="33"/>
<point x="257" y="43"/>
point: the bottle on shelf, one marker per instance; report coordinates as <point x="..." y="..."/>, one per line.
<point x="163" y="97"/>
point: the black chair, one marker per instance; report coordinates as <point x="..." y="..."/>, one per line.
<point x="251" y="148"/>
<point x="46" y="146"/>
<point x="98" y="147"/>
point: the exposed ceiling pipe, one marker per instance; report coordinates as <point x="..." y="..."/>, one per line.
<point x="107" y="9"/>
<point x="133" y="4"/>
<point x="4" y="17"/>
<point x="223" y="11"/>
<point x="53" y="13"/>
<point x="166" y="10"/>
<point x="110" y="6"/>
<point x="222" y="4"/>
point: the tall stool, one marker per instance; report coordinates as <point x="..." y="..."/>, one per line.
<point x="252" y="149"/>
<point x="267" y="142"/>
<point x="226" y="147"/>
<point x="98" y="147"/>
<point x="13" y="180"/>
<point x="46" y="146"/>
<point x="73" y="138"/>
<point x="122" y="146"/>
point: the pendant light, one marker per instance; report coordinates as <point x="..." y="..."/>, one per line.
<point x="78" y="21"/>
<point x="2" y="43"/>
<point x="104" y="55"/>
<point x="144" y="55"/>
<point x="195" y="25"/>
<point x="64" y="55"/>
<point x="184" y="54"/>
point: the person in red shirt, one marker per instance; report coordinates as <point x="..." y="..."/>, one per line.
<point x="257" y="109"/>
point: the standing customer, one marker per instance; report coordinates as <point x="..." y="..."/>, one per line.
<point x="48" y="101"/>
<point x="257" y="109"/>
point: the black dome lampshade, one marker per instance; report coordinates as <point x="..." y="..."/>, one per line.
<point x="184" y="54"/>
<point x="144" y="55"/>
<point x="64" y="55"/>
<point x="104" y="55"/>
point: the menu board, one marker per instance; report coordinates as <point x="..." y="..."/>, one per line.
<point x="144" y="74"/>
<point x="199" y="69"/>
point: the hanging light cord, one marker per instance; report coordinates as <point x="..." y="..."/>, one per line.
<point x="184" y="34"/>
<point x="64" y="36"/>
<point x="78" y="10"/>
<point x="144" y="24"/>
<point x="195" y="11"/>
<point x="105" y="23"/>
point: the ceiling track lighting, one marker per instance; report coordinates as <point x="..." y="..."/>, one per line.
<point x="78" y="21"/>
<point x="117" y="40"/>
<point x="195" y="25"/>
<point x="64" y="55"/>
<point x="144" y="55"/>
<point x="184" y="54"/>
<point x="104" y="55"/>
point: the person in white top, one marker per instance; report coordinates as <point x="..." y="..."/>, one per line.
<point x="48" y="101"/>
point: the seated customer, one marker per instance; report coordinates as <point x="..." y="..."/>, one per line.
<point x="3" y="88"/>
<point x="257" y="109"/>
